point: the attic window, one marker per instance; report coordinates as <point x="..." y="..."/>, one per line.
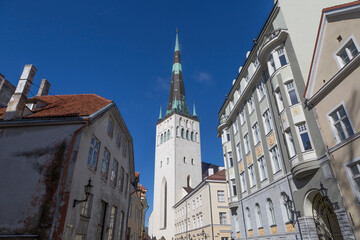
<point x="347" y="53"/>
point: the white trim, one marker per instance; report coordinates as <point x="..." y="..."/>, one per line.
<point x="332" y="127"/>
<point x="351" y="181"/>
<point x="336" y="56"/>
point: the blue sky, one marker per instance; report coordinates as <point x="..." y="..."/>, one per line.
<point x="123" y="51"/>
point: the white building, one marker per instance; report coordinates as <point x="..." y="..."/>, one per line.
<point x="177" y="156"/>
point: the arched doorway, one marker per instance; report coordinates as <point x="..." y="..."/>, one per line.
<point x="327" y="225"/>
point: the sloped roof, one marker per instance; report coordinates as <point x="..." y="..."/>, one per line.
<point x="58" y="106"/>
<point x="220" y="175"/>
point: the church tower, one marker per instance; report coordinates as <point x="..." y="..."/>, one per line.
<point x="177" y="155"/>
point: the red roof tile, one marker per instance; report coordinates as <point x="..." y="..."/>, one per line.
<point x="220" y="175"/>
<point x="57" y="106"/>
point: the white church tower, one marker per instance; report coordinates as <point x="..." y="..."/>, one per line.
<point x="177" y="155"/>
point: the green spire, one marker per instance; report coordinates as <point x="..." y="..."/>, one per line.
<point x="160" y="114"/>
<point x="194" y="110"/>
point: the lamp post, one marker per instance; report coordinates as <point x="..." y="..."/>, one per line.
<point x="87" y="190"/>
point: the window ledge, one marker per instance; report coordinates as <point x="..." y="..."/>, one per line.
<point x="345" y="142"/>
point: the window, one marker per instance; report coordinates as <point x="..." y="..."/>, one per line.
<point x="110" y="127"/>
<point x="187" y="135"/>
<point x="256" y="133"/>
<point x="233" y="185"/>
<point x="105" y="164"/>
<point x="263" y="170"/>
<point x="222" y="216"/>
<point x="101" y="221"/>
<point x="279" y="101"/>
<point x="271" y="64"/>
<point x="117" y="139"/>
<point x="235" y="125"/>
<point x="224" y="238"/>
<point x="227" y="135"/>
<point x="93" y="153"/>
<point x="201" y="221"/>
<point x="86" y="207"/>
<point x="162" y="138"/>
<point x="184" y="159"/>
<point x="121" y="179"/>
<point x="231" y="162"/>
<point x="290" y="144"/>
<point x="247" y="143"/>
<point x="251" y="105"/>
<point x="182" y="133"/>
<point x="200" y="201"/>
<point x="271" y="213"/>
<point x="124" y="147"/>
<point x="304" y="137"/>
<point x="221" y="196"/>
<point x="192" y="136"/>
<point x="248" y="219"/>
<point x="267" y="121"/>
<point x="111" y="226"/>
<point x="114" y="173"/>
<point x="80" y="237"/>
<point x="121" y="225"/>
<point x="261" y="89"/>
<point x="242" y="116"/>
<point x="243" y="181"/>
<point x="282" y="57"/>
<point x="193" y="205"/>
<point x="347" y="53"/>
<point x="168" y="134"/>
<point x="293" y="98"/>
<point x="275" y="159"/>
<point x="286" y="212"/>
<point x="197" y="202"/>
<point x="238" y="152"/>
<point x="355" y="172"/>
<point x="259" y="221"/>
<point x="252" y="176"/>
<point x="340" y="124"/>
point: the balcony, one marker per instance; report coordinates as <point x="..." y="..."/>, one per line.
<point x="270" y="41"/>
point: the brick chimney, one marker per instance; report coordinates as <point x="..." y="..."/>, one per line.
<point x="44" y="88"/>
<point x="17" y="102"/>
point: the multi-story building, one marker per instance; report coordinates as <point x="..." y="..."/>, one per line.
<point x="177" y="155"/>
<point x="137" y="208"/>
<point x="204" y="212"/>
<point x="273" y="150"/>
<point x="332" y="91"/>
<point x="66" y="166"/>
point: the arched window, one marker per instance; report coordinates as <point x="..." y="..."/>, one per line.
<point x="248" y="219"/>
<point x="187" y="134"/>
<point x="286" y="212"/>
<point x="182" y="133"/>
<point x="192" y="136"/>
<point x="184" y="159"/>
<point x="196" y="137"/>
<point x="188" y="181"/>
<point x="259" y="222"/>
<point x="168" y="134"/>
<point x="177" y="132"/>
<point x="270" y="212"/>
<point x="180" y="120"/>
<point x="162" y="138"/>
<point x="192" y="161"/>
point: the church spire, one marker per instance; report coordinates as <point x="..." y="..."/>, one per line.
<point x="177" y="101"/>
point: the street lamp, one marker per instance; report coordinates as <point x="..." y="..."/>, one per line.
<point x="87" y="190"/>
<point x="323" y="191"/>
<point x="289" y="206"/>
<point x="190" y="237"/>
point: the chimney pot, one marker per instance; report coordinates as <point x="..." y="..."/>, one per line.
<point x="44" y="88"/>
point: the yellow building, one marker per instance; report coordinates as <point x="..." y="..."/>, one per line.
<point x="333" y="91"/>
<point x="204" y="212"/>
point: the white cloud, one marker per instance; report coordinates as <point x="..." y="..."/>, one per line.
<point x="202" y="77"/>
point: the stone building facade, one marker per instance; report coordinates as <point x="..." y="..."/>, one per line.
<point x="52" y="147"/>
<point x="332" y="92"/>
<point x="204" y="213"/>
<point x="273" y="149"/>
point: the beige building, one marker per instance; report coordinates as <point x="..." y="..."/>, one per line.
<point x="204" y="213"/>
<point x="332" y="91"/>
<point x="137" y="209"/>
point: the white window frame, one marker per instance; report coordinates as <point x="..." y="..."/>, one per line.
<point x="351" y="177"/>
<point x="248" y="219"/>
<point x="238" y="152"/>
<point x="251" y="104"/>
<point x="267" y="121"/>
<point x="233" y="188"/>
<point x="247" y="143"/>
<point x="299" y="132"/>
<point x="274" y="152"/>
<point x="279" y="101"/>
<point x="230" y="159"/>
<point x="332" y="123"/>
<point x="256" y="133"/>
<point x="261" y="89"/>
<point x="235" y="125"/>
<point x="222" y="218"/>
<point x="290" y="86"/>
<point x="290" y="144"/>
<point x="263" y="168"/>
<point x="243" y="182"/>
<point x="259" y="221"/>
<point x="252" y="177"/>
<point x="242" y="116"/>
<point x="221" y="195"/>
<point x="344" y="47"/>
<point x="270" y="212"/>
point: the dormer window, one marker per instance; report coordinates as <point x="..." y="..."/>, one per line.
<point x="348" y="52"/>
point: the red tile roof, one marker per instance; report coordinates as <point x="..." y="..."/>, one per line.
<point x="57" y="106"/>
<point x="220" y="175"/>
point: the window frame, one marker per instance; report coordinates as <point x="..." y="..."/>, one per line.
<point x="221" y="195"/>
<point x="355" y="187"/>
<point x="344" y="47"/>
<point x="256" y="133"/>
<point x="274" y="151"/>
<point x="267" y="119"/>
<point x="300" y="132"/>
<point x="110" y="127"/>
<point x="290" y="86"/>
<point x="332" y="123"/>
<point x="222" y="218"/>
<point x="92" y="152"/>
<point x="105" y="174"/>
<point x="263" y="166"/>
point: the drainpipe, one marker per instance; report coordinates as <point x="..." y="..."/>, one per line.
<point x="211" y="215"/>
<point x="60" y="191"/>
